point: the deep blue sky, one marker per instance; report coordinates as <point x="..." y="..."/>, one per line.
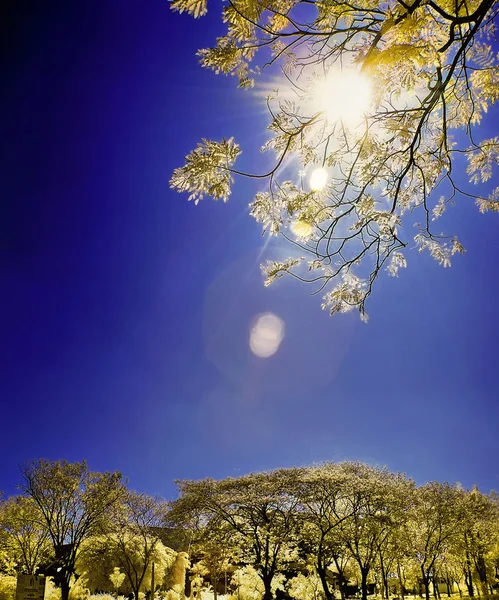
<point x="126" y="310"/>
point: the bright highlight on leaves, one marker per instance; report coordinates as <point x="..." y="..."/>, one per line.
<point x="196" y="8"/>
<point x="207" y="170"/>
<point x="302" y="229"/>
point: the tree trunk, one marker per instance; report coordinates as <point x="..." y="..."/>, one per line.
<point x="321" y="571"/>
<point x="64" y="582"/>
<point x="364" y="572"/>
<point x="267" y="594"/>
<point x="267" y="585"/>
<point x="468" y="578"/>
<point x="401" y="582"/>
<point x="426" y="582"/>
<point x="342" y="583"/>
<point x="481" y="569"/>
<point x="384" y="578"/>
<point x="447" y="583"/>
<point x="341" y="579"/>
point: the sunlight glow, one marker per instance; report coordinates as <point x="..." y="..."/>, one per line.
<point x="266" y="335"/>
<point x="318" y="179"/>
<point x="344" y="95"/>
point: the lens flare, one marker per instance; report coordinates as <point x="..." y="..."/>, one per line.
<point x="266" y="335"/>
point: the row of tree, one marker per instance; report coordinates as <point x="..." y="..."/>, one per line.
<point x="301" y="532"/>
<point x="70" y="522"/>
<point x="337" y="522"/>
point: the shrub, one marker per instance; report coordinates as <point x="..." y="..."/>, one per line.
<point x="7" y="587"/>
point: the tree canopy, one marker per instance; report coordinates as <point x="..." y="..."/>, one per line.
<point x="25" y="535"/>
<point x="373" y="120"/>
<point x="72" y="503"/>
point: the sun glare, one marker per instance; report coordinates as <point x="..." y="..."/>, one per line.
<point x="318" y="179"/>
<point x="344" y="95"/>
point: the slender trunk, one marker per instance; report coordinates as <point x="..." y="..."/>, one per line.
<point x="447" y="582"/>
<point x="187" y="584"/>
<point x="214" y="583"/>
<point x="401" y="582"/>
<point x="468" y="578"/>
<point x="342" y="584"/>
<point x="321" y="571"/>
<point x="384" y="578"/>
<point x="364" y="572"/>
<point x="426" y="582"/>
<point x="382" y="569"/>
<point x="341" y="578"/>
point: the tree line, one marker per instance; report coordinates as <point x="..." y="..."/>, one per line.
<point x="85" y="530"/>
<point x="324" y="531"/>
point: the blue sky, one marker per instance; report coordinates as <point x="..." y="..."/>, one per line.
<point x="126" y="310"/>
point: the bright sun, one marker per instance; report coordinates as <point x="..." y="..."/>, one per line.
<point x="318" y="179"/>
<point x="344" y="95"/>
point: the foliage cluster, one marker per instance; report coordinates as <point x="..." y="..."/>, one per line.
<point x="428" y="71"/>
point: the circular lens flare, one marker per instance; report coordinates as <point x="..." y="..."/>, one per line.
<point x="266" y="335"/>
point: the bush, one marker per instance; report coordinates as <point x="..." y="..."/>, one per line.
<point x="79" y="590"/>
<point x="101" y="597"/>
<point x="51" y="591"/>
<point x="7" y="587"/>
